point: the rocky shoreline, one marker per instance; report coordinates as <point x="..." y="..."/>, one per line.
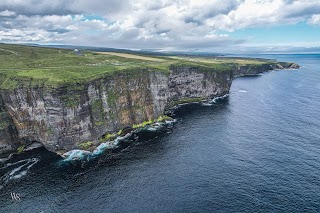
<point x="68" y="118"/>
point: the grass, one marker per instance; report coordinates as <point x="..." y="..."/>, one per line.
<point x="222" y="60"/>
<point x="119" y="132"/>
<point x="109" y="137"/>
<point x="20" y="149"/>
<point x="86" y="145"/>
<point x="39" y="66"/>
<point x="164" y="118"/>
<point x="143" y="124"/>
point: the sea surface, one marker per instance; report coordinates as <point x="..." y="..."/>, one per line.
<point x="256" y="151"/>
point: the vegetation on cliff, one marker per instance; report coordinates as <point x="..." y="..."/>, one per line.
<point x="39" y="66"/>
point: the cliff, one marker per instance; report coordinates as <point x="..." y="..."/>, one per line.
<point x="63" y="117"/>
<point x="256" y="69"/>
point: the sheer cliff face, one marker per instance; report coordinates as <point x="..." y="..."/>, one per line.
<point x="185" y="82"/>
<point x="8" y="133"/>
<point x="64" y="117"/>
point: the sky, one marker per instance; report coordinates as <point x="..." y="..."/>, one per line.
<point x="229" y="26"/>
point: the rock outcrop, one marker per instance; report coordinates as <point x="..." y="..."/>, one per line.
<point x="260" y="68"/>
<point x="62" y="118"/>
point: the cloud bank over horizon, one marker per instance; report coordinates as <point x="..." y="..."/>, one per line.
<point x="213" y="25"/>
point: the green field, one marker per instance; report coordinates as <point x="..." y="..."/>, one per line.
<point x="26" y="65"/>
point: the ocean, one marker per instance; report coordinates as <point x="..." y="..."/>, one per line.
<point x="257" y="150"/>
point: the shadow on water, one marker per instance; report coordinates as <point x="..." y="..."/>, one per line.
<point x="38" y="175"/>
<point x="188" y="110"/>
<point x="40" y="162"/>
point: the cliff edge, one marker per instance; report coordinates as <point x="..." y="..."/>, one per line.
<point x="63" y="116"/>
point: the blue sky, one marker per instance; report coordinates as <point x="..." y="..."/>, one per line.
<point x="281" y="34"/>
<point x="300" y="34"/>
<point x="166" y="25"/>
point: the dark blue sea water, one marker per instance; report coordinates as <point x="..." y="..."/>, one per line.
<point x="256" y="151"/>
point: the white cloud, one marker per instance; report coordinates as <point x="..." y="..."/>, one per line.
<point x="253" y="13"/>
<point x="315" y="19"/>
<point x="29" y="35"/>
<point x="7" y="13"/>
<point x="165" y="24"/>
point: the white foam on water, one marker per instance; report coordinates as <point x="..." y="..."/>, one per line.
<point x="3" y="160"/>
<point x="218" y="98"/>
<point x="17" y="172"/>
<point x="20" y="175"/>
<point x="242" y="91"/>
<point x="76" y="154"/>
<point x="102" y="147"/>
<point x="154" y="127"/>
<point x="171" y="122"/>
<point x="12" y="164"/>
<point x="83" y="155"/>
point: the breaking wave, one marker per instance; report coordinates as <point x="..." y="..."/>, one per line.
<point x="16" y="170"/>
<point x="83" y="155"/>
<point x="214" y="100"/>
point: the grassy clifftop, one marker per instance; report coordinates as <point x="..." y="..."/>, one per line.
<point x="26" y="65"/>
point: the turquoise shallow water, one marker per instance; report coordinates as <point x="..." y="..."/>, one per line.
<point x="256" y="151"/>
